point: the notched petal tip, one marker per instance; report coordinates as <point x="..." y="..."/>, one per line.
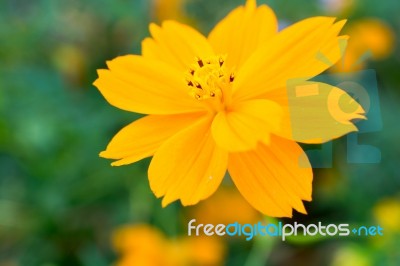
<point x="165" y="203"/>
<point x="300" y="208"/>
<point x="109" y="62"/>
<point x="145" y="42"/>
<point x="108" y="155"/>
<point x="155" y="30"/>
<point x="318" y="20"/>
<point x="102" y="75"/>
<point x="169" y="198"/>
<point x="116" y="164"/>
<point x="308" y="198"/>
<point x="251" y="4"/>
<point x="170" y="22"/>
<point x="153" y="27"/>
<point x="102" y="154"/>
<point x="340" y="23"/>
<point x="100" y="72"/>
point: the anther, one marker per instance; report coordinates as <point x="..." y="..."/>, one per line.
<point x="208" y="77"/>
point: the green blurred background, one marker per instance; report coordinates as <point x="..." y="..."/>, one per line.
<point x="60" y="202"/>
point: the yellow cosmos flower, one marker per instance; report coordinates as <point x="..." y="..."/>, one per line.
<point x="220" y="102"/>
<point x="369" y="37"/>
<point x="387" y="214"/>
<point x="144" y="245"/>
<point x="352" y="254"/>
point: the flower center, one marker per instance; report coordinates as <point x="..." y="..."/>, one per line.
<point x="209" y="78"/>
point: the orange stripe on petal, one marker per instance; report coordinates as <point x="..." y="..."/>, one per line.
<point x="145" y="86"/>
<point x="273" y="178"/>
<point x="143" y="137"/>
<point x="189" y="166"/>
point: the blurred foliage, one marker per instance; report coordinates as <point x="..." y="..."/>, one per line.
<point x="59" y="202"/>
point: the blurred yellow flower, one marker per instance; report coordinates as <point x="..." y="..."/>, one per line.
<point x="218" y="209"/>
<point x="387" y="214"/>
<point x="70" y="61"/>
<point x="141" y="238"/>
<point x="221" y="103"/>
<point x="351" y="255"/>
<point x="145" y="245"/>
<point x="370" y="37"/>
<point x="199" y="250"/>
<point x="169" y="9"/>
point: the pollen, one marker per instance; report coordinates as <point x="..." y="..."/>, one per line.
<point x="209" y="77"/>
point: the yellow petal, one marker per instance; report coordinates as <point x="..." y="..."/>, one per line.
<point x="316" y="112"/>
<point x="145" y="86"/>
<point x="188" y="166"/>
<point x="142" y="138"/>
<point x="176" y="44"/>
<point x="273" y="178"/>
<point x="242" y="31"/>
<point x="240" y="128"/>
<point x="302" y="50"/>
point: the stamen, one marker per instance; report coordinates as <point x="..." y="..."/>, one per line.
<point x="209" y="78"/>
